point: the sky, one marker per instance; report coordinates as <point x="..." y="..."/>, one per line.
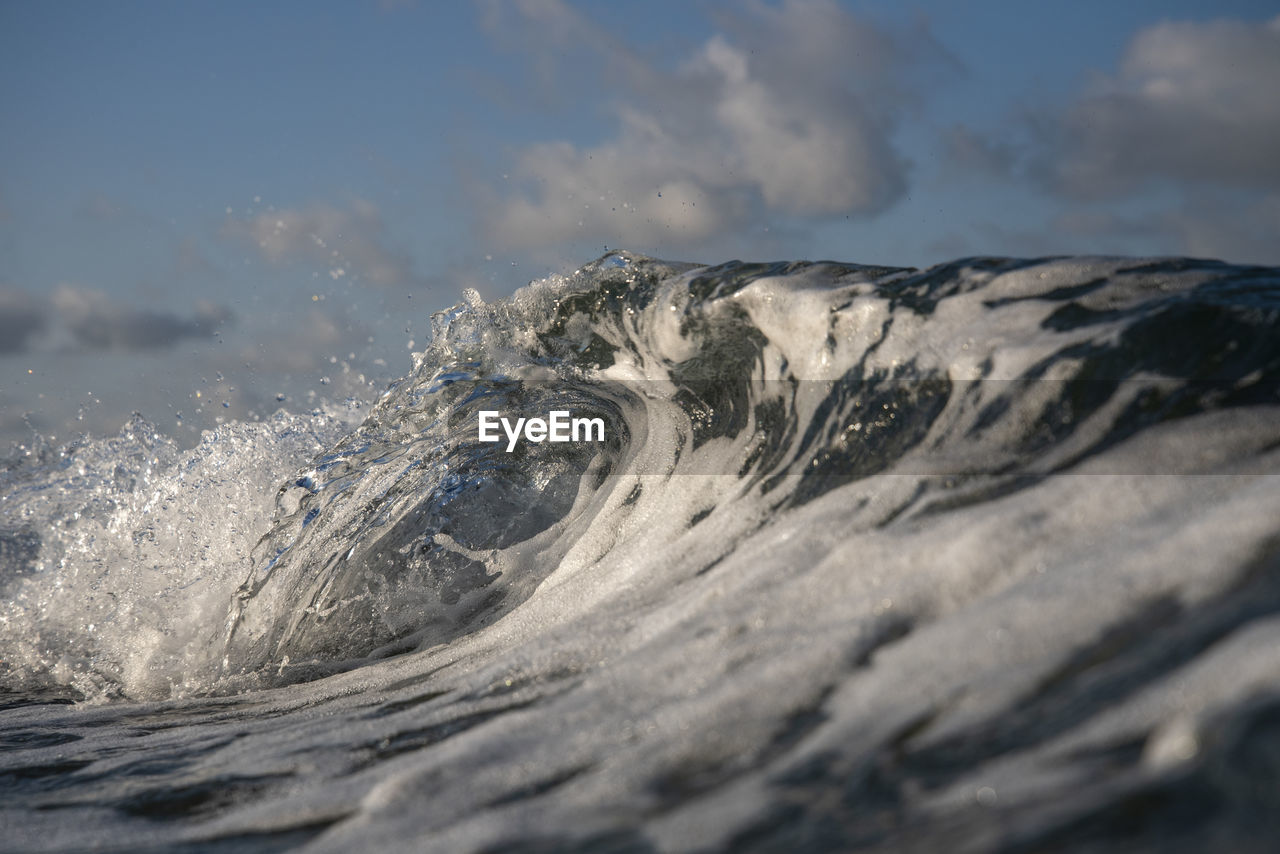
<point x="209" y="210"/>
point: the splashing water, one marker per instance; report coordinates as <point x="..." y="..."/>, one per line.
<point x="868" y="556"/>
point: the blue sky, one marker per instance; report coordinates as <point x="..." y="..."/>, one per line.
<point x="226" y="203"/>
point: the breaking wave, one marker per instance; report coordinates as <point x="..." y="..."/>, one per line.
<point x="868" y="556"/>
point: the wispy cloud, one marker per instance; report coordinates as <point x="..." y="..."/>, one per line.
<point x="1192" y="104"/>
<point x="22" y="318"/>
<point x="972" y="154"/>
<point x="100" y="207"/>
<point x="315" y="338"/>
<point x="97" y="322"/>
<point x="1213" y="224"/>
<point x="787" y="114"/>
<point x="344" y="242"/>
<point x="92" y="320"/>
<point x="1183" y="134"/>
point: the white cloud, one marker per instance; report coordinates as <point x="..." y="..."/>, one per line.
<point x="353" y="240"/>
<point x="787" y="115"/>
<point x="1193" y="102"/>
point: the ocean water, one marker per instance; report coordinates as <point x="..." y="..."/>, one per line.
<point x="979" y="557"/>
